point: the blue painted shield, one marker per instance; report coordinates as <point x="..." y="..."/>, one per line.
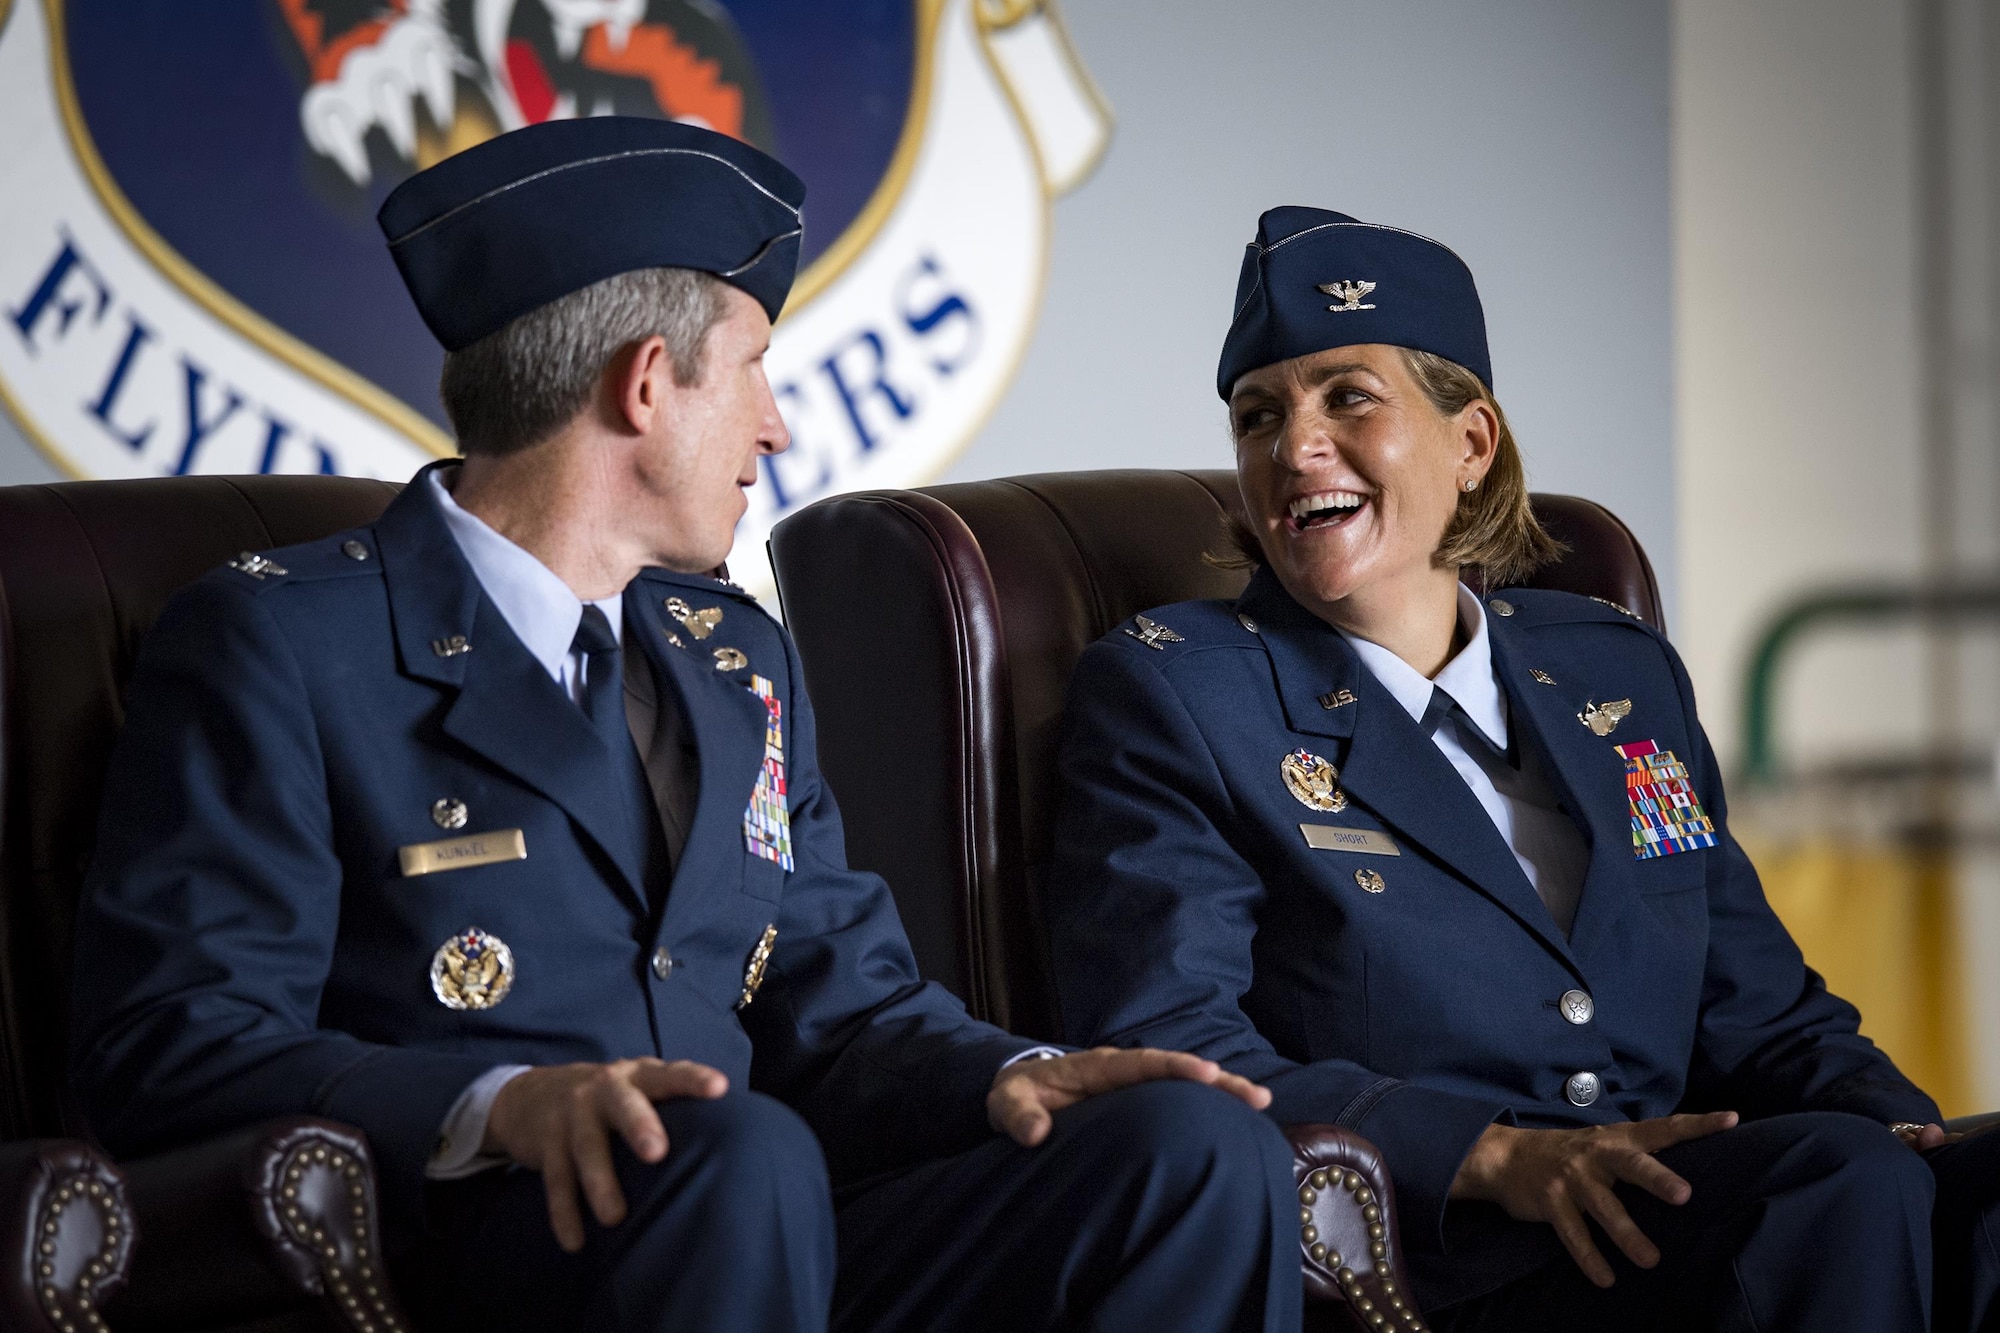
<point x="258" y="137"/>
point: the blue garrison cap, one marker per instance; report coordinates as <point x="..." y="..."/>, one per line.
<point x="1315" y="279"/>
<point x="514" y="223"/>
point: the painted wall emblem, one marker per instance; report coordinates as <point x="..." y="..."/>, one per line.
<point x="191" y="280"/>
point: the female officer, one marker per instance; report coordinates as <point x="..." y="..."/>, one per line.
<point x="1453" y="870"/>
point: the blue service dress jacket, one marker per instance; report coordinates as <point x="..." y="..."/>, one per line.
<point x="1196" y="903"/>
<point x="249" y="945"/>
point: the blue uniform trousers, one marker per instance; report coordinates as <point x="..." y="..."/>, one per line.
<point x="1817" y="1221"/>
<point x="1136" y="1213"/>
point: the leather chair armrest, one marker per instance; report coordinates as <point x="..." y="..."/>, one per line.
<point x="1967" y="1124"/>
<point x="1350" y="1249"/>
<point x="65" y="1234"/>
<point x="256" y="1223"/>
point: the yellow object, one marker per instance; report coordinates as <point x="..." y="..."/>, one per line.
<point x="1877" y="922"/>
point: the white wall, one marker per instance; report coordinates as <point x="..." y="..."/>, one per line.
<point x="1532" y="137"/>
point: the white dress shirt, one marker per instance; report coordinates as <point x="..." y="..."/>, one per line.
<point x="1520" y="801"/>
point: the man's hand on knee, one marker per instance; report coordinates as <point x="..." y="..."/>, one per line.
<point x="1562" y="1176"/>
<point x="558" y="1120"/>
<point x="1026" y="1096"/>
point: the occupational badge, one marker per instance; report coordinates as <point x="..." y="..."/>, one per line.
<point x="1666" y="815"/>
<point x="767" y="821"/>
<point x="472" y="970"/>
<point x="700" y="623"/>
<point x="448" y="812"/>
<point x="760" y="958"/>
<point x="730" y="659"/>
<point x="1601" y="718"/>
<point x="1313" y="781"/>
<point x="1370" y="881"/>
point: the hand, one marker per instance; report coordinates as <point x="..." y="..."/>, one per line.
<point x="1923" y="1138"/>
<point x="557" y="1120"/>
<point x="1025" y="1096"/>
<point x="1559" y="1175"/>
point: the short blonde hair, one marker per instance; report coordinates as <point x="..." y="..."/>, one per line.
<point x="1493" y="530"/>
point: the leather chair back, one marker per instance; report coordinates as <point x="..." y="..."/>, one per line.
<point x="939" y="628"/>
<point x="85" y="568"/>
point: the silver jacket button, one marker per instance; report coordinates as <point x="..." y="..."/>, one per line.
<point x="1577" y="1007"/>
<point x="663" y="963"/>
<point x="353" y="550"/>
<point x="1582" y="1088"/>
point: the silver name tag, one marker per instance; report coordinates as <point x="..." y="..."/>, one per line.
<point x="478" y="849"/>
<point x="1332" y="838"/>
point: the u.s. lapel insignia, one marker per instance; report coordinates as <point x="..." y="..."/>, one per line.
<point x="760" y="958"/>
<point x="1153" y="634"/>
<point x="1337" y="699"/>
<point x="700" y="623"/>
<point x="472" y="970"/>
<point x="767" y="820"/>
<point x="1541" y="675"/>
<point x="1313" y="781"/>
<point x="1603" y="718"/>
<point x="1350" y="294"/>
<point x="256" y="566"/>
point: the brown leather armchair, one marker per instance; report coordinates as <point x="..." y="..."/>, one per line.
<point x="939" y="628"/>
<point x="273" y="1225"/>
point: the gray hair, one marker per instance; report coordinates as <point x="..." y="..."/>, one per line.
<point x="522" y="384"/>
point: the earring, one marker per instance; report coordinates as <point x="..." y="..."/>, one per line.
<point x="1472" y="483"/>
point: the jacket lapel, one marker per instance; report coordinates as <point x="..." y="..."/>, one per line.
<point x="507" y="709"/>
<point x="1588" y="771"/>
<point x="1390" y="765"/>
<point x="727" y="723"/>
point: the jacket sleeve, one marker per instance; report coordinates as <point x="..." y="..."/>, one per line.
<point x="1153" y="916"/>
<point x="1771" y="1038"/>
<point x="888" y="1068"/>
<point x="210" y="911"/>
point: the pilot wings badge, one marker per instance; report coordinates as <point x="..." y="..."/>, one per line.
<point x="1602" y="718"/>
<point x="1350" y="294"/>
<point x="1153" y="634"/>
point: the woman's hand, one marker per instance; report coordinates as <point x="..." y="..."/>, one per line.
<point x="1559" y="1176"/>
<point x="1924" y="1137"/>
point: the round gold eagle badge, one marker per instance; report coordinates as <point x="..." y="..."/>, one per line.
<point x="1313" y="781"/>
<point x="472" y="970"/>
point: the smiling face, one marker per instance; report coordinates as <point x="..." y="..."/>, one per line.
<point x="1350" y="476"/>
<point x="699" y="454"/>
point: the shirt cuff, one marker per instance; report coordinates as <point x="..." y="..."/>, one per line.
<point x="457" y="1154"/>
<point x="1034" y="1053"/>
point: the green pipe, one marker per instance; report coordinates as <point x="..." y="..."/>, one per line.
<point x="1933" y="602"/>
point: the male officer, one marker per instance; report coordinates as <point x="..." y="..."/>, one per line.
<point x="495" y="829"/>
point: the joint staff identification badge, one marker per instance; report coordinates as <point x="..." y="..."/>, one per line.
<point x="472" y="970"/>
<point x="767" y="823"/>
<point x="1313" y="781"/>
<point x="1666" y="817"/>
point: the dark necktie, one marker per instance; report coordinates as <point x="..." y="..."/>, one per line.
<point x="603" y="682"/>
<point x="1443" y="708"/>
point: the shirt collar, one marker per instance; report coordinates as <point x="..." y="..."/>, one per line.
<point x="1468" y="677"/>
<point x="536" y="604"/>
